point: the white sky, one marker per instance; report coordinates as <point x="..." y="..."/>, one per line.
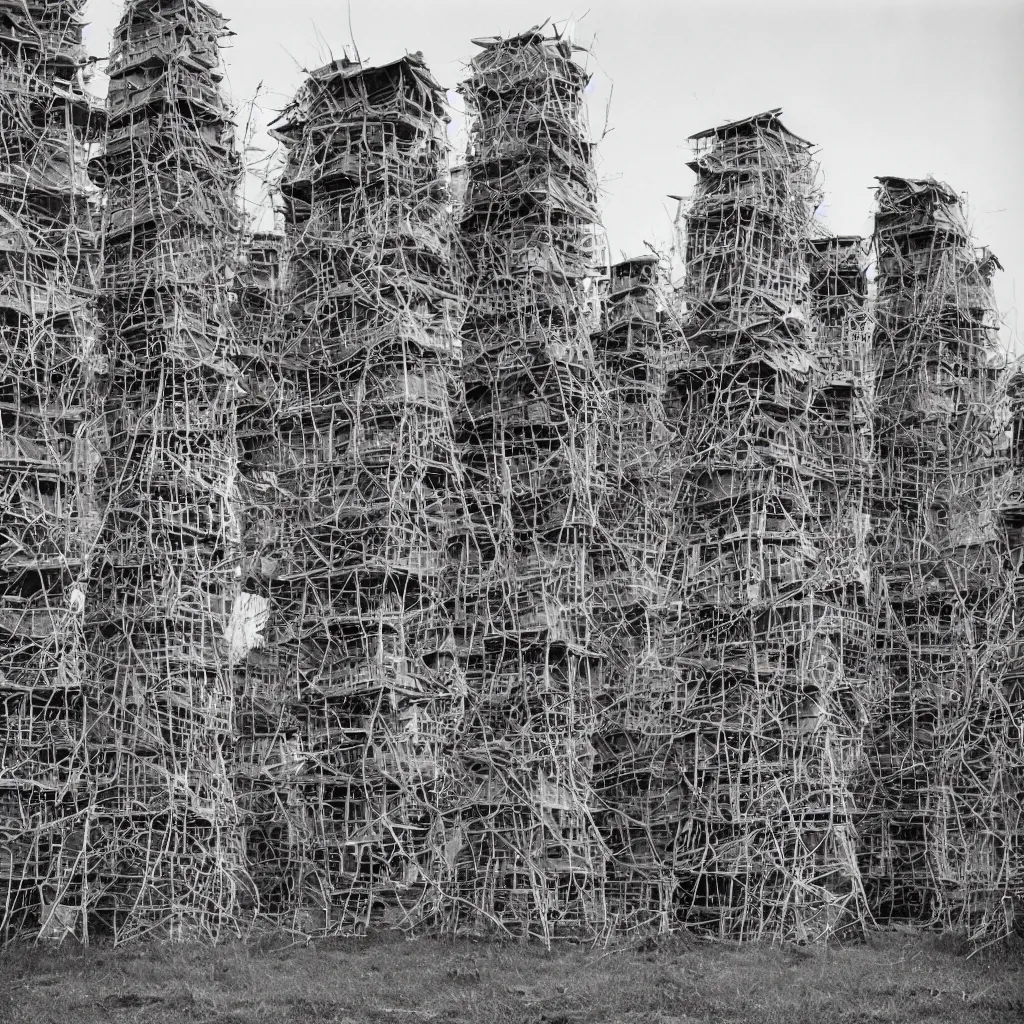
<point x="908" y="87"/>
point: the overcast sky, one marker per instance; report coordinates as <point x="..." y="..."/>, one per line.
<point x="906" y="87"/>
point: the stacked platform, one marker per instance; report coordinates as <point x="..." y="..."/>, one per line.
<point x="761" y="710"/>
<point x="530" y="858"/>
<point x="163" y="842"/>
<point x="937" y="844"/>
<point x="354" y="555"/>
<point x="47" y="358"/>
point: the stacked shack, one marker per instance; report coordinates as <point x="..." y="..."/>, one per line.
<point x="529" y="856"/>
<point x="634" y="786"/>
<point x="359" y="642"/>
<point x="937" y="842"/>
<point x="759" y="703"/>
<point x="163" y="828"/>
<point x="46" y="253"/>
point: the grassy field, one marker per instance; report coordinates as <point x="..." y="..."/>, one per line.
<point x="388" y="980"/>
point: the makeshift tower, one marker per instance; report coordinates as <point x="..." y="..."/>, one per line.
<point x="1012" y="522"/>
<point x="941" y="752"/>
<point x="762" y="713"/>
<point x="359" y="642"/>
<point x="47" y="358"/>
<point x="163" y="835"/>
<point x="529" y="857"/>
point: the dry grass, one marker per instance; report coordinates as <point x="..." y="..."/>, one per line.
<point x="388" y="980"/>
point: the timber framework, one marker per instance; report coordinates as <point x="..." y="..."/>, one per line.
<point x="410" y="565"/>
